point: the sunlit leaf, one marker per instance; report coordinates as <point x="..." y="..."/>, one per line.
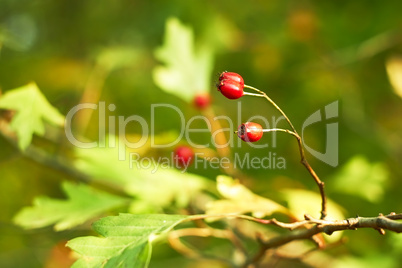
<point x="301" y="202"/>
<point x="170" y="186"/>
<point x="152" y="180"/>
<point x="126" y="240"/>
<point x="32" y="111"/>
<point x="83" y="203"/>
<point x="240" y="200"/>
<point x="187" y="69"/>
<point x="394" y="71"/>
<point x="361" y="178"/>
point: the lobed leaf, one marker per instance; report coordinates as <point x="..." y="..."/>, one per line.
<point x="83" y="203"/>
<point x="126" y="240"/>
<point x="33" y="110"/>
<point x="241" y="200"/>
<point x="144" y="181"/>
<point x="186" y="70"/>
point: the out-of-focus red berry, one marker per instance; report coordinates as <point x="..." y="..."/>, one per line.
<point x="202" y="100"/>
<point x="184" y="156"/>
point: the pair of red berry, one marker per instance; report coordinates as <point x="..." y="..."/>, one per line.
<point x="231" y="85"/>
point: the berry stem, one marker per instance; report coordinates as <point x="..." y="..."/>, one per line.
<point x="252" y="94"/>
<point x="279" y="130"/>
<point x="303" y="160"/>
<point x="220" y="139"/>
<point x="264" y="95"/>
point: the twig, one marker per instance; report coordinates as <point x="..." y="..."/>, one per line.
<point x="301" y="230"/>
<point x="381" y="222"/>
<point x="303" y="160"/>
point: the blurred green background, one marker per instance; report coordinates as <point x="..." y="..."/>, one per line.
<point x="304" y="54"/>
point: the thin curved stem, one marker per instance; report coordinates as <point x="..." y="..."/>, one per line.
<point x="303" y="160"/>
<point x="220" y="139"/>
<point x="280" y="130"/>
<point x="264" y="95"/>
<point x="252" y="94"/>
<point x="277" y="130"/>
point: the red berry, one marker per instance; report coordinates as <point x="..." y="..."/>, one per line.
<point x="184" y="156"/>
<point x="202" y="100"/>
<point x="250" y="132"/>
<point x="231" y="89"/>
<point x="232" y="76"/>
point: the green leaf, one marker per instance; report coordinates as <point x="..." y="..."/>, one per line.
<point x="32" y="111"/>
<point x="187" y="70"/>
<point x="361" y="178"/>
<point x="170" y="186"/>
<point x="126" y="240"/>
<point x="83" y="203"/>
<point x="141" y="179"/>
<point x="241" y="200"/>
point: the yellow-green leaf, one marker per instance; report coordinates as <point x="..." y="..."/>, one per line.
<point x="126" y="240"/>
<point x="187" y="69"/>
<point x="394" y="71"/>
<point x="32" y="110"/>
<point x="301" y="202"/>
<point x="83" y="203"/>
<point x="240" y="200"/>
<point x="142" y="179"/>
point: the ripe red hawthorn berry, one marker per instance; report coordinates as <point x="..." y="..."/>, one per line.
<point x="232" y="76"/>
<point x="231" y="89"/>
<point x="184" y="156"/>
<point x="202" y="100"/>
<point x="250" y="132"/>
